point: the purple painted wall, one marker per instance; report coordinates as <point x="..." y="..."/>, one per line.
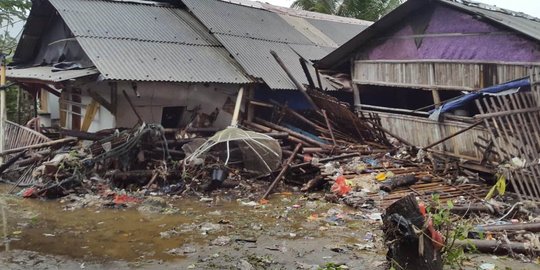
<point x="508" y="47"/>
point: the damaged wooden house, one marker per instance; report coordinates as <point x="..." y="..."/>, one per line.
<point x="180" y="63"/>
<point x="451" y="76"/>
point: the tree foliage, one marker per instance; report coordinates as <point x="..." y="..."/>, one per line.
<point x="11" y="11"/>
<point x="370" y="10"/>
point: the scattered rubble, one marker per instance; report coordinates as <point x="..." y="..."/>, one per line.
<point x="328" y="154"/>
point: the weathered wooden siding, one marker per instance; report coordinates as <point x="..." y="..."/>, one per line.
<point x="421" y="132"/>
<point x="437" y="74"/>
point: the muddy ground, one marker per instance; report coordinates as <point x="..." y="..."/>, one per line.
<point x="290" y="232"/>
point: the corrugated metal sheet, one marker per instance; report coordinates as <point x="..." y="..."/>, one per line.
<point x="47" y="74"/>
<point x="311" y="52"/>
<point x="313" y="15"/>
<point x="338" y="32"/>
<point x="231" y="19"/>
<point x="130" y="21"/>
<point x="308" y="30"/>
<point x="148" y="43"/>
<point x="254" y="55"/>
<point x="249" y="34"/>
<point x="119" y="59"/>
<point x="520" y="22"/>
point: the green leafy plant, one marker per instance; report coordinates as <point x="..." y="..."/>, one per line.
<point x="332" y="266"/>
<point x="454" y="228"/>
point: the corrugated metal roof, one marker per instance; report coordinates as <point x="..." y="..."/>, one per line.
<point x="148" y="43"/>
<point x="119" y="59"/>
<point x="314" y="15"/>
<point x="311" y="52"/>
<point x="231" y="19"/>
<point x="47" y="74"/>
<point x="254" y="55"/>
<point x="105" y="19"/>
<point x="308" y="30"/>
<point x="339" y="32"/>
<point x="249" y="34"/>
<point x="523" y="23"/>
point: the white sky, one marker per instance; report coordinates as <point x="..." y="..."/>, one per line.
<point x="531" y="7"/>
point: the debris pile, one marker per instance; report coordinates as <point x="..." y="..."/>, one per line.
<point x="350" y="158"/>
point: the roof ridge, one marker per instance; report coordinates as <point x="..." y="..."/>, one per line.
<point x="495" y="8"/>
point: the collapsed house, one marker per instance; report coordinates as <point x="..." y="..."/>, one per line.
<point x="137" y="94"/>
<point x="424" y="67"/>
<point x="179" y="64"/>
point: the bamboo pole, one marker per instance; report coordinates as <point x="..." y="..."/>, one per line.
<point x="3" y="109"/>
<point x="285" y="168"/>
<point x="298" y="84"/>
<point x="39" y="145"/>
<point x="454" y="135"/>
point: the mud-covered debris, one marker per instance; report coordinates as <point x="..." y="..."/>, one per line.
<point x="207" y="227"/>
<point x="221" y="241"/>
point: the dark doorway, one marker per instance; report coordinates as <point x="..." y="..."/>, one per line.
<point x="172" y="116"/>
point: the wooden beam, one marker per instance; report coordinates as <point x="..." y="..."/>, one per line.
<point x="102" y="101"/>
<point x="298" y="84"/>
<point x="89" y="115"/>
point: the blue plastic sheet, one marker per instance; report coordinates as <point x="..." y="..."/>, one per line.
<point x="500" y="89"/>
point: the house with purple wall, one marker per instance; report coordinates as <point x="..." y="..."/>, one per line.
<point x="426" y="52"/>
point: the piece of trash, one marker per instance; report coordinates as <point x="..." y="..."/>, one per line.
<point x="375" y="216"/>
<point x="221" y="241"/>
<point x="487" y="266"/>
<point x="380" y="176"/>
<point x="340" y="187"/>
<point x="251" y="203"/>
<point x="48" y="235"/>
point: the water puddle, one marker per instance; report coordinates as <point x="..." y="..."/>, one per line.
<point x="132" y="235"/>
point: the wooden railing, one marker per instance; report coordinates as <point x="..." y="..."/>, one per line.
<point x="16" y="136"/>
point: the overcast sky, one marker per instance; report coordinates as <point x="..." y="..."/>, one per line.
<point x="531" y="7"/>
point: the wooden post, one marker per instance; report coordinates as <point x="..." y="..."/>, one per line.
<point x="356" y="97"/>
<point x="89" y="115"/>
<point x="436" y="97"/>
<point x="3" y="109"/>
<point x="18" y="105"/>
<point x="236" y="113"/>
<point x="250" y="106"/>
<point x="285" y="168"/>
<point x="133" y="107"/>
<point x="306" y="71"/>
<point x="298" y="84"/>
<point x="329" y="127"/>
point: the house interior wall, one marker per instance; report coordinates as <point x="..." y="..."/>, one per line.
<point x="153" y="97"/>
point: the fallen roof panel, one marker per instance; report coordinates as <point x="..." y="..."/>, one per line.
<point x="47" y="74"/>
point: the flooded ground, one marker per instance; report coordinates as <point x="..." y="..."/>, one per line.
<point x="290" y="232"/>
